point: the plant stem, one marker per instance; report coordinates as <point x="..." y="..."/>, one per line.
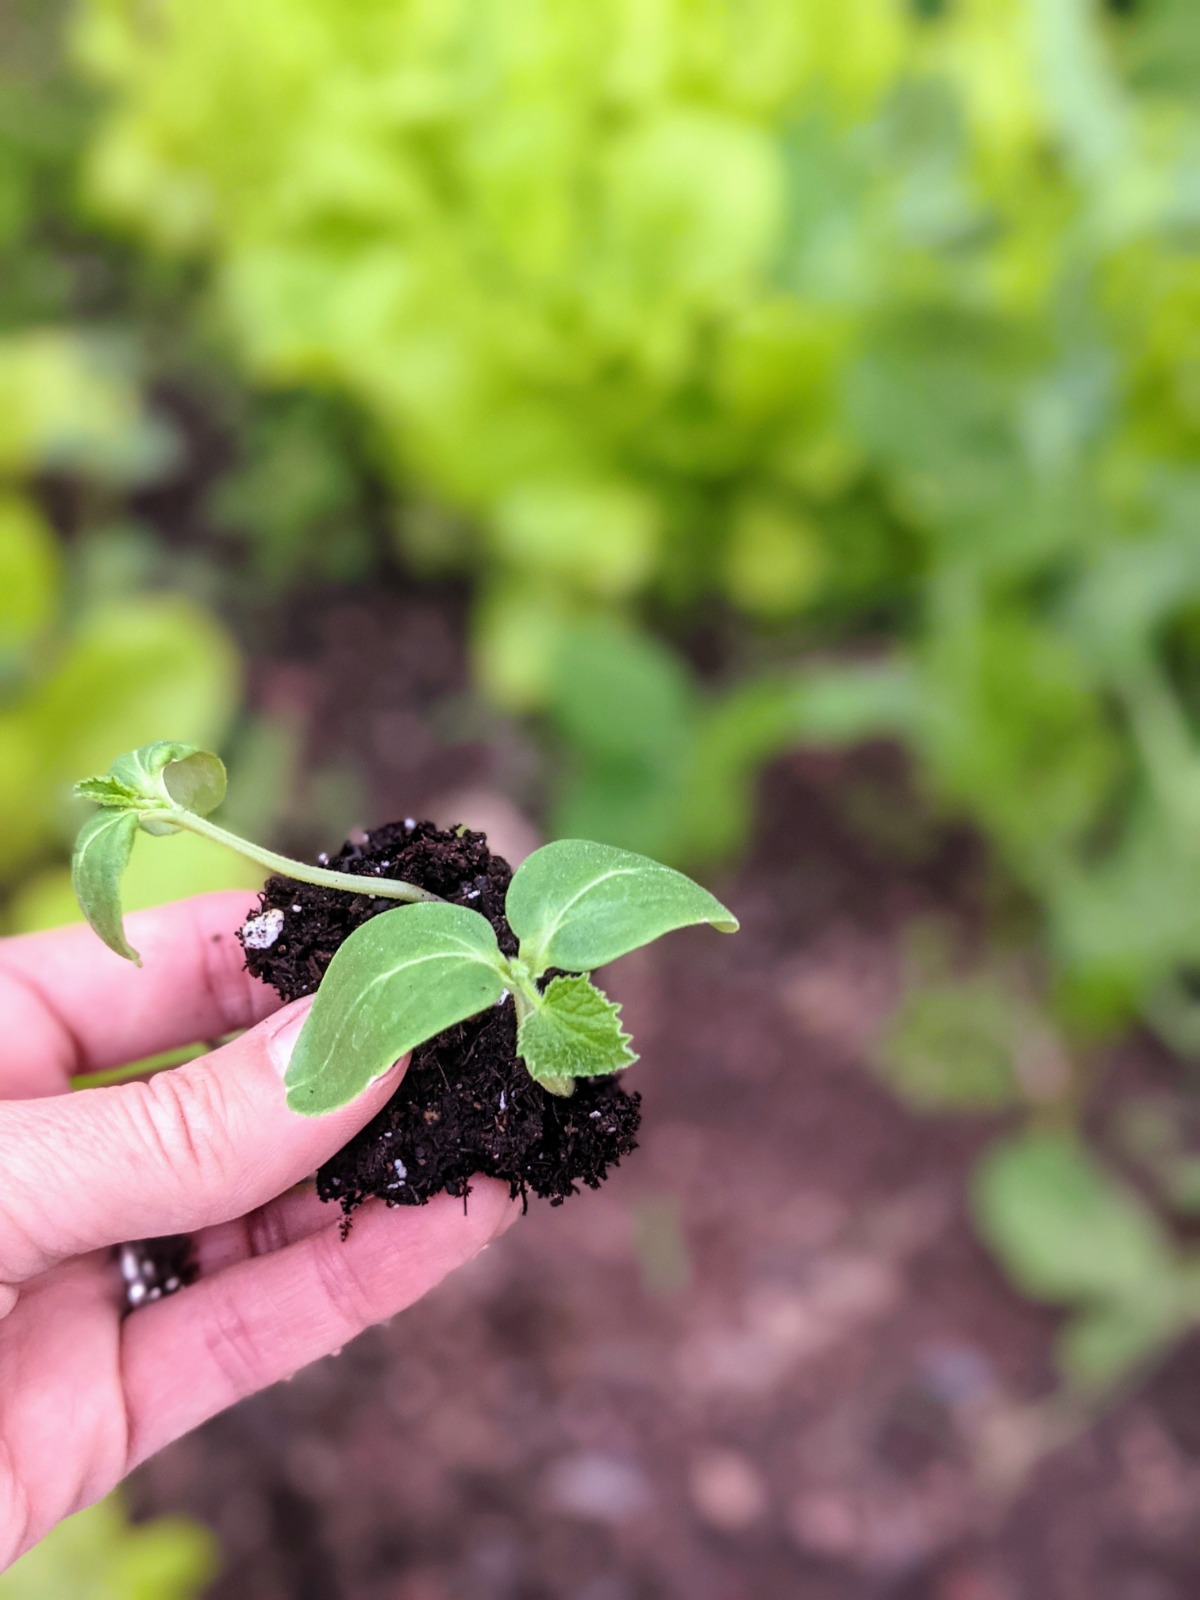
<point x="141" y="1069"/>
<point x="522" y="986"/>
<point x="352" y="882"/>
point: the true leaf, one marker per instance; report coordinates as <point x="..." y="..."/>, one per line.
<point x="102" y="853"/>
<point x="576" y="904"/>
<point x="395" y="982"/>
<point x="106" y="791"/>
<point x="575" y="1033"/>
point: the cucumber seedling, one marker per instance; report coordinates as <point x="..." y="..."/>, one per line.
<point x="405" y="976"/>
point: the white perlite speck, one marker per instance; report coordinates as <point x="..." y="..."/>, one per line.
<point x="261" y="932"/>
<point x="401" y="1170"/>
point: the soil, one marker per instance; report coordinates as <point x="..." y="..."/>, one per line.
<point x="466" y="1104"/>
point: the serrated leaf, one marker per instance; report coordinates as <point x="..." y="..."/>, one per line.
<point x="397" y="981"/>
<point x="576" y="904"/>
<point x="106" y="791"/>
<point x="575" y="1033"/>
<point x="102" y="853"/>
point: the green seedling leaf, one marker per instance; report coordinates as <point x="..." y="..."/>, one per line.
<point x="179" y="774"/>
<point x="574" y="1033"/>
<point x="107" y="792"/>
<point x="1064" y="1228"/>
<point x="159" y="777"/>
<point x="102" y="853"/>
<point x="396" y="981"/>
<point x="575" y="904"/>
<point x="195" y="781"/>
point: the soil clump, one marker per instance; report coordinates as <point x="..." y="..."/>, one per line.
<point x="466" y="1104"/>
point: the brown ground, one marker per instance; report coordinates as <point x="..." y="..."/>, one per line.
<point x="769" y="1361"/>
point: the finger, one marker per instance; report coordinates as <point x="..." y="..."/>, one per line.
<point x="71" y="1005"/>
<point x="188" y="1148"/>
<point x="281" y="1222"/>
<point x="186" y="1358"/>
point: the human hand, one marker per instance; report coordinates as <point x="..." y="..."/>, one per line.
<point x="208" y="1149"/>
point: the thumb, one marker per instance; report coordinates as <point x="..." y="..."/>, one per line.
<point x="197" y="1145"/>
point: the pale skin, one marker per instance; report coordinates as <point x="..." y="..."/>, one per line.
<point x="209" y="1149"/>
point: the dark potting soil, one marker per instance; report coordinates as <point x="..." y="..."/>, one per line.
<point x="466" y="1104"/>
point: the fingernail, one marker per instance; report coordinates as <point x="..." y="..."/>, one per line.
<point x="287" y="1031"/>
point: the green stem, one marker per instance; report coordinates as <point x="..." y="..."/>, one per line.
<point x="523" y="988"/>
<point x="352" y="882"/>
<point x="140" y="1069"/>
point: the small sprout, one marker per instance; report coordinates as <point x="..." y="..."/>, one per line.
<point x="161" y="789"/>
<point x="400" y="979"/>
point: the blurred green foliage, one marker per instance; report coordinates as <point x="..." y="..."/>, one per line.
<point x="98" y="1555"/>
<point x="1071" y="1234"/>
<point x="878" y="320"/>
<point x="79" y="671"/>
<point x="88" y="655"/>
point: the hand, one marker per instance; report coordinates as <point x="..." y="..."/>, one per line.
<point x="209" y="1148"/>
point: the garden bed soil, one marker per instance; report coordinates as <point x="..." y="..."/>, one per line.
<point x="466" y="1104"/>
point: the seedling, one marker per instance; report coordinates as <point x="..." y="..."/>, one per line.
<point x="405" y="976"/>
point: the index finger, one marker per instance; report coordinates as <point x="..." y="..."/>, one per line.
<point x="71" y="1005"/>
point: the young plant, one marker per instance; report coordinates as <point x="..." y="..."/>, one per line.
<point x="404" y="976"/>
